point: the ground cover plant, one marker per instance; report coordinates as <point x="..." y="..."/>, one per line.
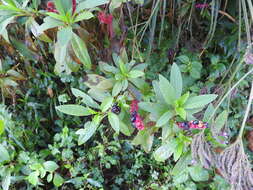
<point x="126" y="94"/>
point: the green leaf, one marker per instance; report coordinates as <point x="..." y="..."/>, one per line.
<point x="164" y="118"/>
<point x="86" y="133"/>
<point x="181" y="101"/>
<point x="184" y="59"/>
<point x="33" y="178"/>
<point x="199" y="101"/>
<point x="117" y="88"/>
<point x="84" y="16"/>
<point x="85" y="98"/>
<point x="57" y="16"/>
<point x="72" y="109"/>
<point x="50" y="166"/>
<point x="135" y="74"/>
<point x="81" y="51"/>
<point x="49" y="177"/>
<point x="64" y="36"/>
<point x="178" y="151"/>
<point x="106" y="104"/>
<point x="125" y="129"/>
<point x="59" y="7"/>
<point x="181" y="112"/>
<point x="197" y="173"/>
<point x="6" y="181"/>
<point x="1" y="127"/>
<point x="114" y="121"/>
<point x="176" y="80"/>
<point x="165" y="151"/>
<point x="208" y="112"/>
<point x="220" y="121"/>
<point x="58" y="180"/>
<point x="167" y="90"/>
<point x="144" y="138"/>
<point x="90" y="4"/>
<point x="196" y="70"/>
<point x="4" y="155"/>
<point x="182" y="164"/>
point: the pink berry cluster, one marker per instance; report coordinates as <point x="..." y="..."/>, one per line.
<point x="135" y="116"/>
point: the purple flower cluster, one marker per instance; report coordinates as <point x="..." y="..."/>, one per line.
<point x="201" y="5"/>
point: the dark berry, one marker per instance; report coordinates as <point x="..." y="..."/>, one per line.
<point x="206" y="124"/>
<point x="185" y="126"/>
<point x="116" y="109"/>
<point x="195" y="122"/>
<point x="133" y="116"/>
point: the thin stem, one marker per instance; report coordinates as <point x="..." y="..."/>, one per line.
<point x="246" y="112"/>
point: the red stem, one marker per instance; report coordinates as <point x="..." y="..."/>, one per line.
<point x="73" y="6"/>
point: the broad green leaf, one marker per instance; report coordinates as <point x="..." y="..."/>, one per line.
<point x="49" y="177"/>
<point x="81" y="51"/>
<point x="184" y="59"/>
<point x="64" y="36"/>
<point x="181" y="101"/>
<point x="178" y="151"/>
<point x="116" y="88"/>
<point x="1" y="126"/>
<point x="114" y="121"/>
<point x="167" y="90"/>
<point x="57" y="16"/>
<point x="84" y="16"/>
<point x="106" y="104"/>
<point x="59" y="7"/>
<point x="181" y="112"/>
<point x="4" y="23"/>
<point x="176" y="80"/>
<point x="6" y="181"/>
<point x="50" y="166"/>
<point x="165" y="151"/>
<point x="164" y="118"/>
<point x="94" y="182"/>
<point x="181" y="178"/>
<point x="4" y="155"/>
<point x="135" y="74"/>
<point x="208" y="112"/>
<point x="86" y="133"/>
<point x="85" y="98"/>
<point x="89" y="4"/>
<point x="105" y="67"/>
<point x="220" y="121"/>
<point x="145" y="139"/>
<point x="199" y="101"/>
<point x="33" y="178"/>
<point x="196" y="70"/>
<point x="182" y="164"/>
<point x="58" y="180"/>
<point x="95" y="81"/>
<point x="198" y="173"/>
<point x="125" y="129"/>
<point x="158" y="92"/>
<point x="48" y="22"/>
<point x="72" y="109"/>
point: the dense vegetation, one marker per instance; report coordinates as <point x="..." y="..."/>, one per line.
<point x="126" y="94"/>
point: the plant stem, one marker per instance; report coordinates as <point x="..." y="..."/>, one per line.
<point x="246" y="112"/>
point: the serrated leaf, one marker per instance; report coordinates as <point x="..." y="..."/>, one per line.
<point x="50" y="166"/>
<point x="199" y="101"/>
<point x="72" y="109"/>
<point x="164" y="118"/>
<point x="114" y="121"/>
<point x="176" y="80"/>
<point x="167" y="90"/>
<point x="106" y="104"/>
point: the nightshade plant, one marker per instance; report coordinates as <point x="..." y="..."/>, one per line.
<point x="169" y="107"/>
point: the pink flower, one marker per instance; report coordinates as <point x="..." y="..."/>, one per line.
<point x="51" y="7"/>
<point x="139" y="123"/>
<point x="134" y="106"/>
<point x="108" y="20"/>
<point x="202" y="5"/>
